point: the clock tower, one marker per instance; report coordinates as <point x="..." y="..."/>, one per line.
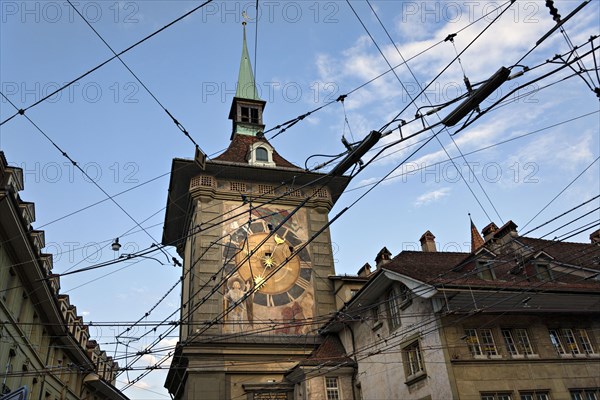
<point x="251" y="228"/>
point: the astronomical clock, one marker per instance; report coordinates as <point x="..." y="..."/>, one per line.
<point x="273" y="268"/>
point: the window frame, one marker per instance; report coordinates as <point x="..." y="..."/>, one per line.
<point x="393" y="309"/>
<point x="481" y="342"/>
<point x="519" y="341"/>
<point x="332" y="392"/>
<point x="500" y="395"/>
<point x="414" y="361"/>
<point x="488" y="346"/>
<point x="556" y="342"/>
<point x="572" y="341"/>
<point x="472" y="341"/>
<point x="252" y="153"/>
<point x="584" y="394"/>
<point x="587" y="343"/>
<point x="264" y="152"/>
<point x="537" y="394"/>
<point x="250" y="114"/>
<point x="543" y="272"/>
<point x="484" y="268"/>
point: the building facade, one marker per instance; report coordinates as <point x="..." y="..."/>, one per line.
<point x="516" y="319"/>
<point x="252" y="229"/>
<point x="45" y="345"/>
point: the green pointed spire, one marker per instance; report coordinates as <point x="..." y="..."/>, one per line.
<point x="246" y="86"/>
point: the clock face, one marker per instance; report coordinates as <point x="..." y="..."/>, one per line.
<point x="277" y="275"/>
<point x="271" y="267"/>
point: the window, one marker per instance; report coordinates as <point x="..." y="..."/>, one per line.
<point x="535" y="395"/>
<point x="584" y="339"/>
<point x="377" y="323"/>
<point x="375" y="313"/>
<point x="405" y="298"/>
<point x="543" y="272"/>
<point x="556" y="341"/>
<point x="571" y="341"/>
<point x="413" y="359"/>
<point x="332" y="388"/>
<point x="585" y="394"/>
<point x="481" y="342"/>
<point x="485" y="270"/>
<point x="262" y="154"/>
<point x="487" y="342"/>
<point x="250" y="114"/>
<point x="353" y="292"/>
<point x="472" y="341"/>
<point x="496" y="396"/>
<point x="517" y="341"/>
<point x="393" y="303"/>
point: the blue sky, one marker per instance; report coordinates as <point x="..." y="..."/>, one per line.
<point x="308" y="53"/>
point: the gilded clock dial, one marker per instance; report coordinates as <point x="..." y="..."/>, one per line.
<point x="267" y="267"/>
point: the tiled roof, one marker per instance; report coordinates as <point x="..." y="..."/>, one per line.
<point x="511" y="270"/>
<point x="330" y="352"/>
<point x="423" y="265"/>
<point x="581" y="254"/>
<point x="237" y="152"/>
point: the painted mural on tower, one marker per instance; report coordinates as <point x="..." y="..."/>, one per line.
<point x="269" y="277"/>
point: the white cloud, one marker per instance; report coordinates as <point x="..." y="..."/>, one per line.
<point x="431" y="197"/>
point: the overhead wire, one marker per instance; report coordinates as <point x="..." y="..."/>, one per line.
<point x="76" y="165"/>
<point x="21" y="111"/>
<point x="473" y="151"/>
<point x="175" y="121"/>
<point x="562" y="191"/>
<point x="431" y="104"/>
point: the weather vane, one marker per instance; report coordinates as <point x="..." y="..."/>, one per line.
<point x="246" y="17"/>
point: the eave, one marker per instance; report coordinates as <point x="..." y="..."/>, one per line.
<point x="179" y="204"/>
<point x="494" y="300"/>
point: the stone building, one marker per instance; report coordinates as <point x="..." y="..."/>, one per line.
<point x="516" y="319"/>
<point x="252" y="229"/>
<point x="45" y="346"/>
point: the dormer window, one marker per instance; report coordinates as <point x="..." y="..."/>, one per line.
<point x="485" y="270"/>
<point x="249" y="114"/>
<point x="261" y="154"/>
<point x="543" y="272"/>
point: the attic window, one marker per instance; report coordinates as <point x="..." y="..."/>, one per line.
<point x="262" y="154"/>
<point x="543" y="272"/>
<point x="485" y="271"/>
<point x="249" y="114"/>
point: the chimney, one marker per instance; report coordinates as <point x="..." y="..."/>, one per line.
<point x="509" y="228"/>
<point x="489" y="230"/>
<point x="595" y="237"/>
<point x="428" y="242"/>
<point x="383" y="257"/>
<point x="365" y="270"/>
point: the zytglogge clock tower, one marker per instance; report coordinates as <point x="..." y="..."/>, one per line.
<point x="250" y="228"/>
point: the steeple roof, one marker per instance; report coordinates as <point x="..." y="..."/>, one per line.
<point x="476" y="239"/>
<point x="246" y="85"/>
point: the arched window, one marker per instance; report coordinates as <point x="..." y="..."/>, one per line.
<point x="262" y="154"/>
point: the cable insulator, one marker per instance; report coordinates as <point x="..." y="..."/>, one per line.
<point x="553" y="10"/>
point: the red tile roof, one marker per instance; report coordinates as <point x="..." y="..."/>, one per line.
<point x="511" y="271"/>
<point x="330" y="352"/>
<point x="237" y="151"/>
